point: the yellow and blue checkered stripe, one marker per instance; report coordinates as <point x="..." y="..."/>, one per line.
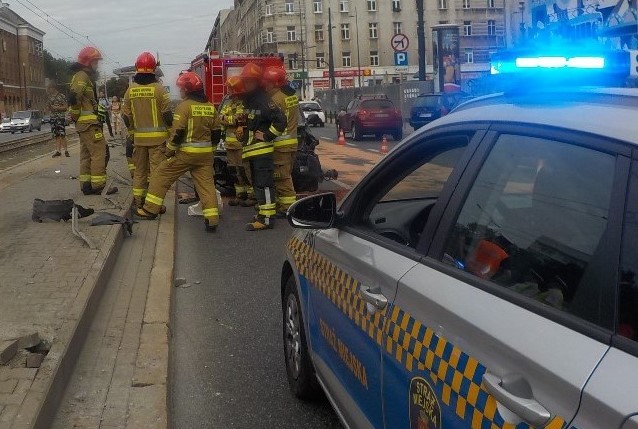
<point x="456" y="376"/>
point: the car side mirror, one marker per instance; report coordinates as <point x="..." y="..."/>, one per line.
<point x="314" y="212"/>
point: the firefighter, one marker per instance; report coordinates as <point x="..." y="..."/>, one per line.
<point x="231" y="116"/>
<point x="285" y="97"/>
<point x="146" y="109"/>
<point x="83" y="108"/>
<point x="194" y="135"/>
<point x="264" y="123"/>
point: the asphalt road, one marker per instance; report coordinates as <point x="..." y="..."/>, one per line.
<point x="7" y="137"/>
<point x="227" y="363"/>
<point x="371" y="143"/>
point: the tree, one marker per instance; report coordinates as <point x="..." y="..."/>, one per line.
<point x="116" y="86"/>
<point x="57" y="69"/>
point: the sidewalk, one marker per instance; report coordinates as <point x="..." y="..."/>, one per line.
<point x="49" y="281"/>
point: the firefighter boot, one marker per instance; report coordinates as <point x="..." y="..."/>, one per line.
<point x="259" y="224"/>
<point x="237" y="200"/>
<point x="248" y="202"/>
<point x="209" y="227"/>
<point x="112" y="190"/>
<point x="143" y="214"/>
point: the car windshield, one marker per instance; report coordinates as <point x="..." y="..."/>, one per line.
<point x="6" y="120"/>
<point x="21" y="115"/>
<point x="377" y="104"/>
<point x="310" y="106"/>
<point x="431" y="101"/>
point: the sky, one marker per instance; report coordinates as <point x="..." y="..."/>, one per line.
<point x="177" y="29"/>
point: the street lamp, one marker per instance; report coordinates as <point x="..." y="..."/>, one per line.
<point x="331" y="54"/>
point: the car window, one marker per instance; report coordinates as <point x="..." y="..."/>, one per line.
<point x="533" y="220"/>
<point x="402" y="207"/>
<point x="21" y="115"/>
<point x="628" y="299"/>
<point x="377" y="104"/>
<point x="427" y="101"/>
<point x="311" y="106"/>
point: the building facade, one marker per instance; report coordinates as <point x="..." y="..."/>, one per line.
<point x="362" y="32"/>
<point x="21" y="64"/>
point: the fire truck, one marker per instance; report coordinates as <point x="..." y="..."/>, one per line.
<point x="214" y="68"/>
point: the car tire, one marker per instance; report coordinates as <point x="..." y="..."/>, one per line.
<point x="299" y="369"/>
<point x="356" y="136"/>
<point x="397" y="135"/>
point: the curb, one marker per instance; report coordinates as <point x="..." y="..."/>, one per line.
<point x="43" y="399"/>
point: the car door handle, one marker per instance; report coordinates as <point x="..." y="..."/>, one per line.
<point x="528" y="409"/>
<point x="377" y="300"/>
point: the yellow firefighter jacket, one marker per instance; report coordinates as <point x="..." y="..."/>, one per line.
<point x="231" y="115"/>
<point x="144" y="106"/>
<point x="83" y="102"/>
<point x="193" y="126"/>
<point x="286" y="99"/>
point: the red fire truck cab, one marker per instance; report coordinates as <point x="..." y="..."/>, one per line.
<point x="214" y="68"/>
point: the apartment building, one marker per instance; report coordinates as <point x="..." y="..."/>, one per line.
<point x="21" y="63"/>
<point x="362" y="31"/>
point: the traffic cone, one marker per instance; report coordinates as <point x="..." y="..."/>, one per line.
<point x="384" y="146"/>
<point x="342" y="139"/>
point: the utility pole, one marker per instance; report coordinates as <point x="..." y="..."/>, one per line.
<point x="421" y="37"/>
<point x="331" y="53"/>
<point x="356" y="23"/>
<point x="303" y="55"/>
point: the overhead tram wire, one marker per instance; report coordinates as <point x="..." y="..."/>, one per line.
<point x="52" y="24"/>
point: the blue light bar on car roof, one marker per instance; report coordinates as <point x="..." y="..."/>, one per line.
<point x="560" y="62"/>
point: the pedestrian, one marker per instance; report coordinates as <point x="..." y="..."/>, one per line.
<point x="84" y="112"/>
<point x="58" y="106"/>
<point x="285" y="97"/>
<point x="193" y="138"/>
<point x="146" y="110"/>
<point x="264" y="122"/>
<point x="231" y="116"/>
<point x="116" y="117"/>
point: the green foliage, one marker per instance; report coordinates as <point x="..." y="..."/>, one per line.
<point x="57" y="69"/>
<point x="116" y="86"/>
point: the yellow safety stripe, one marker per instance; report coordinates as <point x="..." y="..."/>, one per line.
<point x="152" y="134"/>
<point x="274" y="130"/>
<point x="87" y="118"/>
<point x="210" y="212"/>
<point x="286" y="200"/>
<point x="268" y="209"/>
<point x="169" y="146"/>
<point x="177" y="117"/>
<point x="150" y="198"/>
<point x="154" y="113"/>
<point x="98" y="179"/>
<point x="286" y="142"/>
<point x="254" y="153"/>
<point x="85" y="177"/>
<point x="131" y="167"/>
<point x="139" y="192"/>
<point x="75" y="112"/>
<point x="191" y="128"/>
<point x="189" y="149"/>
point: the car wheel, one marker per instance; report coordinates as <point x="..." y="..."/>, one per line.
<point x="301" y="373"/>
<point x="397" y="135"/>
<point x="356" y="136"/>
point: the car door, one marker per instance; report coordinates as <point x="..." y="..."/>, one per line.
<point x="353" y="272"/>
<point x="346" y="119"/>
<point x="504" y="321"/>
<point x="609" y="399"/>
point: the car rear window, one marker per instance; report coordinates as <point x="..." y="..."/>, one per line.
<point x="309" y="106"/>
<point x="431" y="101"/>
<point x="377" y="104"/>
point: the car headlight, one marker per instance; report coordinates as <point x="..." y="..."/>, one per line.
<point x="26" y="121"/>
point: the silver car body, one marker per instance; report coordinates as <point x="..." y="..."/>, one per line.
<point x="448" y="346"/>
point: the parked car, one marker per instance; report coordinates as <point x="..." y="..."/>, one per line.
<point x="5" y="125"/>
<point x="26" y="120"/>
<point x="428" y="107"/>
<point x="313" y="113"/>
<point x="371" y="115"/>
<point x="46" y="119"/>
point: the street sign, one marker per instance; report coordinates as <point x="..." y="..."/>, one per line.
<point x="401" y="59"/>
<point x="296" y="84"/>
<point x="297" y="75"/>
<point x="400" y="42"/>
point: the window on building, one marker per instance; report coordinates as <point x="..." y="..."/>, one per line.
<point x="290" y="6"/>
<point x="467" y="28"/>
<point x="491" y="3"/>
<point x="491" y="27"/>
<point x="372" y="5"/>
<point x="292" y="61"/>
<point x="374" y="58"/>
<point x="444" y="22"/>
<point x="318" y="33"/>
<point x="291" y="31"/>
<point x="397" y="27"/>
<point x="396" y="5"/>
<point x="317" y="6"/>
<point x="270" y="35"/>
<point x="469" y="56"/>
<point x="373" y="30"/>
<point x="346" y="59"/>
<point x="345" y="31"/>
<point x="321" y="60"/>
<point x="344" y="6"/>
<point x="442" y="4"/>
<point x="466" y="4"/>
<point x="268" y="8"/>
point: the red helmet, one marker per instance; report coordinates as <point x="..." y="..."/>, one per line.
<point x="190" y="82"/>
<point x="251" y="71"/>
<point x="145" y="63"/>
<point x="88" y="55"/>
<point x="276" y="76"/>
<point x="235" y="85"/>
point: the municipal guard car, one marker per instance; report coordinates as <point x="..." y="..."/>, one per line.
<point x="483" y="275"/>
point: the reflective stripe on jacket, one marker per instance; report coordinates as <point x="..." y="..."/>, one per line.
<point x="145" y="105"/>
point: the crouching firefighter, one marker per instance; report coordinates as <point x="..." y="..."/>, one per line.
<point x="285" y="97"/>
<point x="190" y="147"/>
<point x="232" y="116"/>
<point x="83" y="107"/>
<point x="264" y="122"/>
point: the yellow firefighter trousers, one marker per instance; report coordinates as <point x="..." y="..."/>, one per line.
<point x="201" y="167"/>
<point x="286" y="195"/>
<point x="131" y="166"/>
<point x="146" y="160"/>
<point x="92" y="158"/>
<point x="241" y="170"/>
